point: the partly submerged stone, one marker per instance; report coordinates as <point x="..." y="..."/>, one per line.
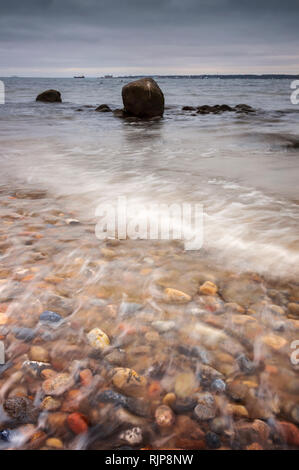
<point x="49" y="96"/>
<point x="143" y="98"/>
<point x="103" y="108"/>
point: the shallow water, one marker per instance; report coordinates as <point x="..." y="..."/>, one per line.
<point x="242" y="168"/>
<point x="58" y="164"/>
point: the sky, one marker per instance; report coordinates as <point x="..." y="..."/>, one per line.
<point x="62" y="38"/>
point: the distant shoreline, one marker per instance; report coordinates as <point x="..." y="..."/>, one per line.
<point x="205" y="76"/>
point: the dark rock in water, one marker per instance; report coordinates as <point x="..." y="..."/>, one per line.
<point x="244" y="108"/>
<point x="188" y="108"/>
<point x="103" y="108"/>
<point x="50" y="317"/>
<point x="213" y="441"/>
<point x="21" y="409"/>
<point x="143" y="98"/>
<point x="49" y="96"/>
<point x="120" y="113"/>
<point x="218" y="108"/>
<point x="24" y="334"/>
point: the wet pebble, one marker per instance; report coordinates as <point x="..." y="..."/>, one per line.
<point x="129" y="381"/>
<point x="77" y="422"/>
<point x="58" y="384"/>
<point x="212" y="440"/>
<point x="50" y="317"/>
<point x="132" y="436"/>
<point x="24" y="334"/>
<point x="246" y="365"/>
<point x="98" y="339"/>
<point x="206" y="408"/>
<point x="164" y="416"/>
<point x="21" y="409"/>
<point x="163" y="326"/>
<point x="38" y="354"/>
<point x="218" y="385"/>
<point x="50" y="404"/>
<point x="208" y="288"/>
<point x="34" y="368"/>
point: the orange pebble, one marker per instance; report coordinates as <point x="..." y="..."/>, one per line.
<point x="86" y="377"/>
<point x="77" y="423"/>
<point x="154" y="389"/>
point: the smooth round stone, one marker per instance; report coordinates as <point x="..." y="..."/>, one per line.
<point x="58" y="384"/>
<point x="132" y="436"/>
<point x="50" y="404"/>
<point x="54" y="443"/>
<point x="164" y="416"/>
<point x="128" y="381"/>
<point x="24" y="334"/>
<point x="218" y="385"/>
<point x="220" y="424"/>
<point x="98" y="339"/>
<point x="38" y="354"/>
<point x="206" y="408"/>
<point x="50" y="317"/>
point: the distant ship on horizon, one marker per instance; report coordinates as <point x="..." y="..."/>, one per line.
<point x="79" y="76"/>
<point x="108" y="76"/>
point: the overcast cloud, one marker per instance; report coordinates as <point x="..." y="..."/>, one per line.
<point x="95" y="37"/>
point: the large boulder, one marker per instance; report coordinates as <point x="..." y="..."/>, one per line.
<point x="49" y="96"/>
<point x="143" y="98"/>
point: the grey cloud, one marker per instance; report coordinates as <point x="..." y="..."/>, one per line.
<point x="55" y="36"/>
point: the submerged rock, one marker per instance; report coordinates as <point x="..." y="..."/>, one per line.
<point x="24" y="334"/>
<point x="143" y="98"/>
<point x="129" y="381"/>
<point x="213" y="440"/>
<point x="164" y="416"/>
<point x="49" y="96"/>
<point x="176" y="296"/>
<point x="50" y="317"/>
<point x="21" y="409"/>
<point x="132" y="436"/>
<point x="98" y="339"/>
<point x="206" y="408"/>
<point x="103" y="108"/>
<point x="58" y="384"/>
